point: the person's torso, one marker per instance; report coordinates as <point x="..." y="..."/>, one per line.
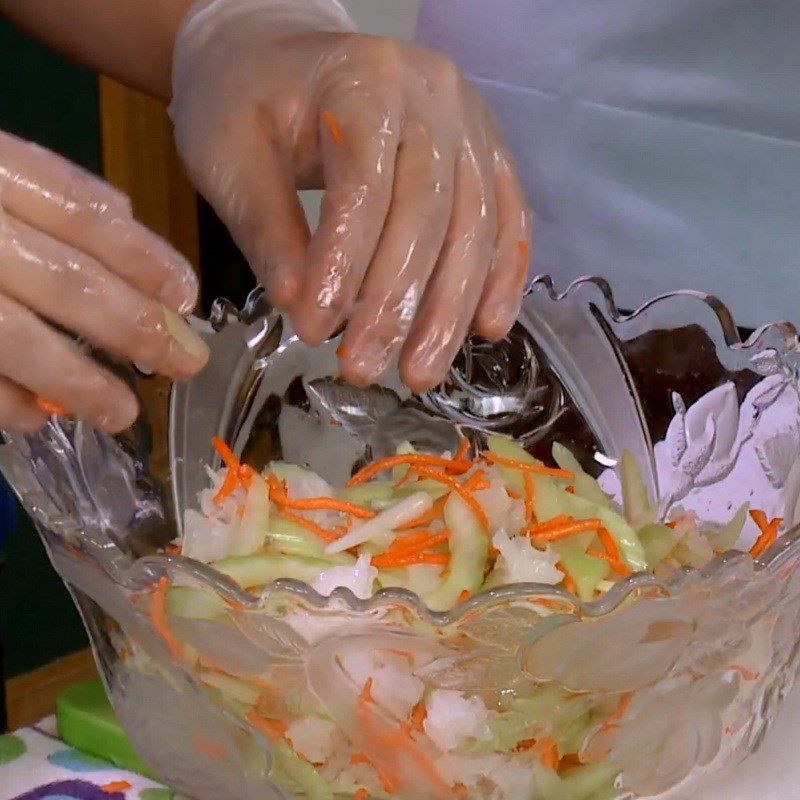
<point x="658" y="140"/>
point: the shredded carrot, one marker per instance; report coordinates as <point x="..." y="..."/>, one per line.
<point x="245" y="475"/>
<point x="747" y="674"/>
<point x="115" y="787"/>
<point x="228" y="485"/>
<point x="537" y="469"/>
<point x="551" y="534"/>
<point x="463" y="450"/>
<point x="324" y="533"/>
<point x="172" y="550"/>
<point x="225" y="453"/>
<point x="477" y="480"/>
<point x="513" y="495"/>
<point x="425" y="519"/>
<point x="529" y="496"/>
<point x="569" y="583"/>
<point x="342" y="351"/>
<point x="418" y="716"/>
<point x="322" y="504"/>
<point x="464" y="596"/>
<point x="417" y="542"/>
<point x="361" y="794"/>
<point x="271" y="728"/>
<point x="412" y="459"/>
<point x="388" y="561"/>
<point x="458" y="489"/>
<point x="622" y="706"/>
<point x="460" y="791"/>
<point x="158" y="616"/>
<point x="617" y="564"/>
<point x="333" y="126"/>
<point x="570" y="490"/>
<point x="769" y="532"/>
<point x="548" y="750"/>
<point x="609" y="545"/>
<point x="568" y="762"/>
<point x="50" y="407"/>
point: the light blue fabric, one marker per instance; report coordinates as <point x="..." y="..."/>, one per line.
<point x="658" y="140"/>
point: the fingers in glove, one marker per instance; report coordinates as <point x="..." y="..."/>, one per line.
<point x="406" y="256"/>
<point x="73" y="290"/>
<point x="47" y="364"/>
<point x="502" y="295"/>
<point x="252" y="190"/>
<point x="18" y="409"/>
<point x="452" y="296"/>
<point x="65" y="202"/>
<point x="359" y="129"/>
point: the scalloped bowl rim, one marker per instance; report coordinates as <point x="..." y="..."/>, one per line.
<point x="256" y="307"/>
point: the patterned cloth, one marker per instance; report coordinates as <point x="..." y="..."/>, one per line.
<point x="36" y="765"/>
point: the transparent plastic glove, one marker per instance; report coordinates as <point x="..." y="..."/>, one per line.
<point x="423" y="232"/>
<point x="71" y="254"/>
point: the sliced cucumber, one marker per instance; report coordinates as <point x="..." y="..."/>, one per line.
<point x="469" y="548"/>
<point x="298" y="773"/>
<point x="194" y="603"/>
<point x="658" y="542"/>
<point x="236" y="688"/>
<point x="726" y="538"/>
<point x="263" y="568"/>
<point x="589" y="781"/>
<point x="403" y="449"/>
<point x="292" y="539"/>
<point x="550" y="501"/>
<point x="366" y="493"/>
<point x="420" y="578"/>
<point x="435" y="489"/>
<point x="635" y="500"/>
<point x="585" y="570"/>
<point x="506" y="448"/>
<point x="585" y="485"/>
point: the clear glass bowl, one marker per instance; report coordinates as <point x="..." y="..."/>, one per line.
<point x="649" y="690"/>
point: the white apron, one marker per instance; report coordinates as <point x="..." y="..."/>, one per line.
<point x="658" y="140"/>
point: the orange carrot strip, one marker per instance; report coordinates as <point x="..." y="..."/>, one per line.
<point x="361" y="794"/>
<point x="429" y="516"/>
<point x="158" y="616"/>
<point x="115" y="787"/>
<point x="553" y="534"/>
<point x="417" y="542"/>
<point x="382" y="464"/>
<point x="324" y="533"/>
<point x="475" y="481"/>
<point x="406" y="560"/>
<point x="569" y="583"/>
<point x="769" y="532"/>
<point x="619" y="712"/>
<point x="271" y="728"/>
<point x="537" y="469"/>
<point x="464" y="596"/>
<point x="529" y="496"/>
<point x="458" y="489"/>
<point x="548" y="749"/>
<point x="616" y="564"/>
<point x="228" y="485"/>
<point x="609" y="545"/>
<point x="463" y="450"/>
<point x="225" y="453"/>
<point x="333" y="126"/>
<point x="50" y="406"/>
<point x="325" y="504"/>
<point x="418" y="716"/>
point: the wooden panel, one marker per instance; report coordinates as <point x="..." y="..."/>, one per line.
<point x="139" y="157"/>
<point x="32" y="696"/>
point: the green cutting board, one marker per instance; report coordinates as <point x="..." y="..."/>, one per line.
<point x="87" y="722"/>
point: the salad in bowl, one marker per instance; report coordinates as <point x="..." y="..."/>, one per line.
<point x="340" y="593"/>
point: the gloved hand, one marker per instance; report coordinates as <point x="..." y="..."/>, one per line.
<point x="424" y="230"/>
<point x="71" y="254"/>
